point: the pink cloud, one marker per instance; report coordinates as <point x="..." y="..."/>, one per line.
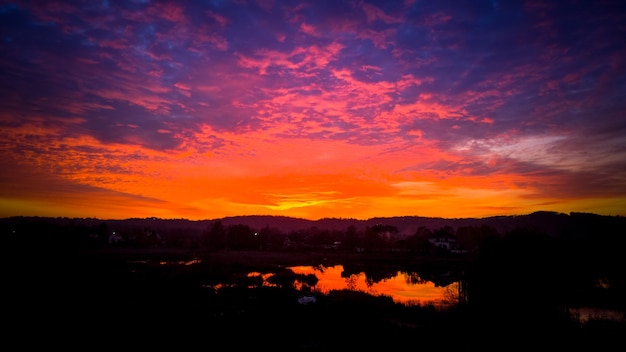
<point x="219" y="19"/>
<point x="309" y="58"/>
<point x="117" y="44"/>
<point x="373" y="13"/>
<point x="169" y="11"/>
<point x="381" y="39"/>
<point x="182" y="86"/>
<point x="435" y="19"/>
<point x="309" y="29"/>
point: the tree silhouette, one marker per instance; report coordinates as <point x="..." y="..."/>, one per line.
<point x="418" y="242"/>
<point x="215" y="236"/>
<point x="242" y="237"/>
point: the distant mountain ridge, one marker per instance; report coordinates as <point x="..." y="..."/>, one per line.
<point x="551" y="223"/>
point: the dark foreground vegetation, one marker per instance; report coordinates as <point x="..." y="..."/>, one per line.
<point x="64" y="287"/>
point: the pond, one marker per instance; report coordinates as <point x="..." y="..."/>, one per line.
<point x="405" y="288"/>
<point x="425" y="285"/>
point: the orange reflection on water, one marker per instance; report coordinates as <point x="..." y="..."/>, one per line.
<point x="397" y="287"/>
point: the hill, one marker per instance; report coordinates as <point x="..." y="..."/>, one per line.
<point x="551" y="223"/>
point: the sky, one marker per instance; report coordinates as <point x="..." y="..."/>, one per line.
<point x="312" y="109"/>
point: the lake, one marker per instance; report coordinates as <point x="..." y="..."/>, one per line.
<point x="402" y="288"/>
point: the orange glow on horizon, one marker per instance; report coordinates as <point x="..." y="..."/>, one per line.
<point x="273" y="177"/>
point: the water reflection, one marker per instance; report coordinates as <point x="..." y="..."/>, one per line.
<point x="404" y="287"/>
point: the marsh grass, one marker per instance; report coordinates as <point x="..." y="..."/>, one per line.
<point x="150" y="298"/>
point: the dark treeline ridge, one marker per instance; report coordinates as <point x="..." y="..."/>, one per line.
<point x="549" y="223"/>
<point x="521" y="275"/>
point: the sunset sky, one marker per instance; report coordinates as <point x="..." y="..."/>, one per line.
<point x="352" y="109"/>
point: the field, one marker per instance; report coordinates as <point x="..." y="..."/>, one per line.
<point x="151" y="297"/>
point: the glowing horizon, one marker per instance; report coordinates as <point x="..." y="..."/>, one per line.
<point x="351" y="109"/>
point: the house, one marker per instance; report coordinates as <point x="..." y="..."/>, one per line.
<point x="115" y="238"/>
<point x="447" y="243"/>
<point x="443" y="242"/>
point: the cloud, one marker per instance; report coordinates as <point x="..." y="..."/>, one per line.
<point x="314" y="108"/>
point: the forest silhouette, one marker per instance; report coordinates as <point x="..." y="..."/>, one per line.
<point x="111" y="281"/>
